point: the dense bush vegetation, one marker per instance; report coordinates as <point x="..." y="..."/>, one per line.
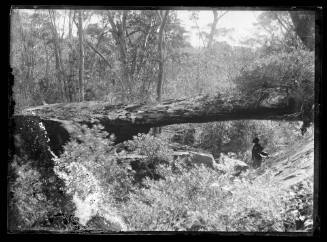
<point x="91" y="161"/>
<point x="236" y="136"/>
<point x="299" y="211"/>
<point x="293" y="70"/>
<point x="201" y="199"/>
<point x="154" y="150"/>
<point x="28" y="200"/>
<point x="197" y="198"/>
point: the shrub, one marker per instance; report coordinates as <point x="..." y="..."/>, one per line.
<point x="181" y="133"/>
<point x="294" y="70"/>
<point x="224" y="137"/>
<point x="169" y="203"/>
<point x="28" y="200"/>
<point x="203" y="199"/>
<point x="299" y="207"/>
<point x="92" y="175"/>
<point x="155" y="150"/>
<point x="255" y="206"/>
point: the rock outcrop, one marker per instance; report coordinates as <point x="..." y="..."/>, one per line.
<point x="234" y="166"/>
<point x="144" y="169"/>
<point x="196" y="158"/>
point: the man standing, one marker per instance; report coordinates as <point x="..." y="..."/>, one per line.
<point x="257" y="153"/>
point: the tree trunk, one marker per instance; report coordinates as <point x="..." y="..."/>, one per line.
<point x="81" y="56"/>
<point x="118" y="31"/>
<point x="213" y="28"/>
<point x="128" y="120"/>
<point x="161" y="66"/>
<point x="59" y="67"/>
<point x="70" y="24"/>
<point x="161" y="56"/>
<point x="70" y="80"/>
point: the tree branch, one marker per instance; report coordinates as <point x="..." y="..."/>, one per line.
<point x="97" y="52"/>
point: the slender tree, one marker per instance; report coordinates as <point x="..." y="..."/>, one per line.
<point x="164" y="17"/>
<point x="118" y="30"/>
<point x="216" y="17"/>
<point x="58" y="55"/>
<point x="81" y="56"/>
<point x="71" y="84"/>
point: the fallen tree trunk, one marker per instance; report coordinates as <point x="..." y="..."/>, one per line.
<point x="274" y="105"/>
<point x="40" y="133"/>
<point x="124" y="121"/>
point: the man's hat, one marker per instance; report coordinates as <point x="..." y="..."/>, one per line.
<point x="255" y="140"/>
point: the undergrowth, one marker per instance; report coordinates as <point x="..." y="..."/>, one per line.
<point x="106" y="196"/>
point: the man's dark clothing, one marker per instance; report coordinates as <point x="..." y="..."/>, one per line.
<point x="256" y="155"/>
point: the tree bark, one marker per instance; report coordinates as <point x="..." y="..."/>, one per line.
<point x="58" y="57"/>
<point x="81" y="55"/>
<point x="128" y="120"/>
<point x="161" y="56"/>
<point x="118" y="31"/>
<point x="72" y="87"/>
<point x="70" y="24"/>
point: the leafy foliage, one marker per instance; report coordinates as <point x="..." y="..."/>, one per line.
<point x="294" y="71"/>
<point x="202" y="199"/>
<point x="155" y="149"/>
<point x="300" y="207"/>
<point x="235" y="136"/>
<point x="156" y="152"/>
<point x="92" y="162"/>
<point x="118" y="66"/>
<point x="28" y="199"/>
<point x="183" y="199"/>
<point x="166" y="203"/>
<point x="205" y="71"/>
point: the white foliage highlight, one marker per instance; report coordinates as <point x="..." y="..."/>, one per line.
<point x="86" y="208"/>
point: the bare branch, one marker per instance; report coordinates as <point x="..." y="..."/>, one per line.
<point x="97" y="52"/>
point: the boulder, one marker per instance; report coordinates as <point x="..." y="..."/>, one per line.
<point x="232" y="165"/>
<point x="196" y="158"/>
<point x="98" y="222"/>
<point x="225" y="190"/>
<point x="141" y="168"/>
<point x="202" y="158"/>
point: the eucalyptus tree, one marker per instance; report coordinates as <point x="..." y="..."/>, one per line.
<point x="163" y="17"/>
<point x="217" y="15"/>
<point x="284" y="31"/>
<point x="81" y="56"/>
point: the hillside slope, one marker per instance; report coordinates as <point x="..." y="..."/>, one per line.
<point x="293" y="164"/>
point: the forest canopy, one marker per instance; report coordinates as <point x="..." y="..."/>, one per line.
<point x="142" y="55"/>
